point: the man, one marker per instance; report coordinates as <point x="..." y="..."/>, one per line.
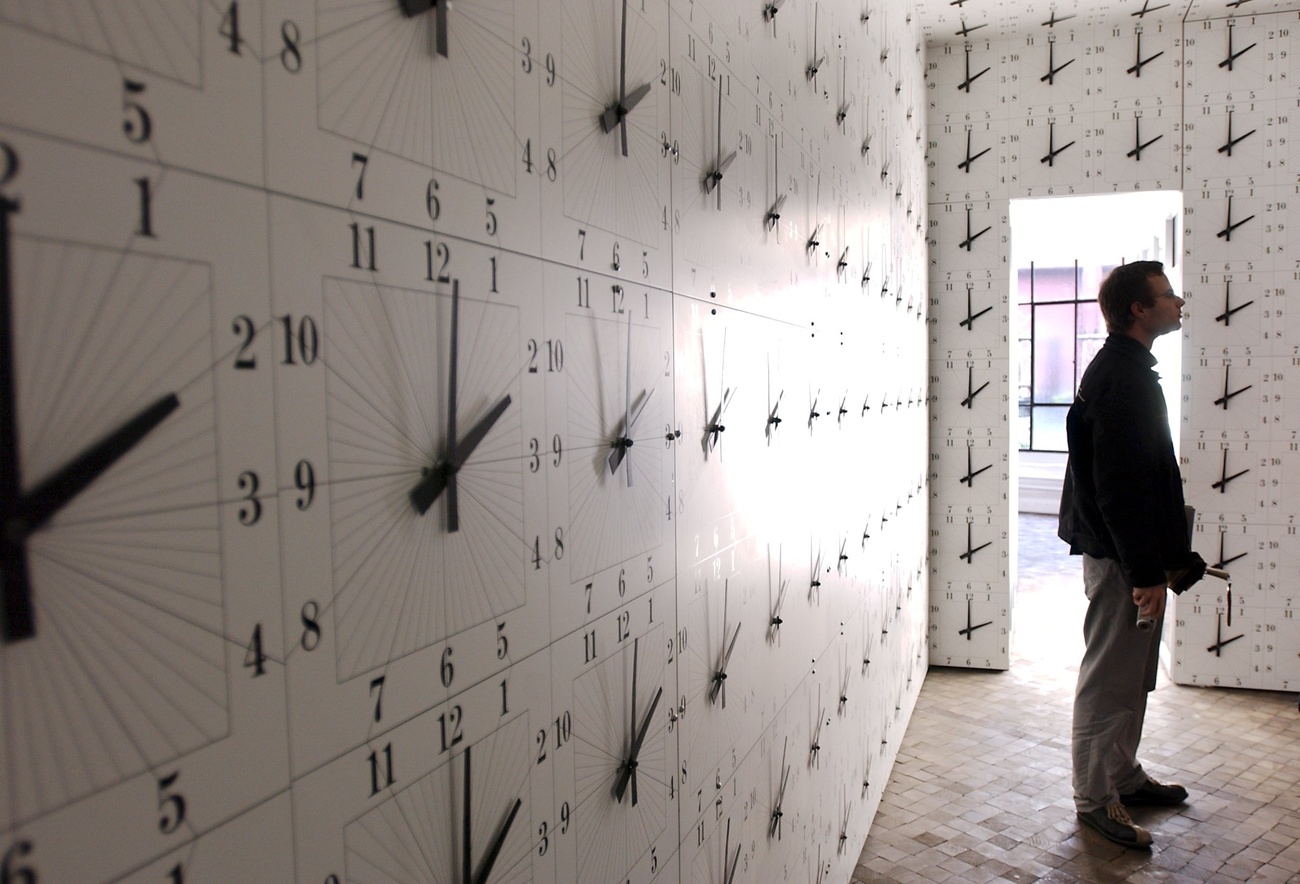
<point x="1122" y="509"/>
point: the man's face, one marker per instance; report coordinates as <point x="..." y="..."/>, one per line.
<point x="1166" y="312"/>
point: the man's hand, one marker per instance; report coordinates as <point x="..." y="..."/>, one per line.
<point x="1150" y="600"/>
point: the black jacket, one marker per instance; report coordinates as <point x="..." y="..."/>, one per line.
<point x="1123" y="495"/>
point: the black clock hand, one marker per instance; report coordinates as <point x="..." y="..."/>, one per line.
<point x="1052" y="70"/>
<point x="17" y="620"/>
<point x="1219" y="641"/>
<point x="735" y="861"/>
<point x="617" y="113"/>
<point x="969" y="321"/>
<point x="969" y="555"/>
<point x="971" y="392"/>
<point x="59" y="489"/>
<point x="1228" y="310"/>
<point x="774" y="213"/>
<point x="813" y="413"/>
<point x="1224" y="399"/>
<point x="1226" y="233"/>
<point x="720" y="677"/>
<point x="1222" y="485"/>
<point x="843" y="262"/>
<point x="969" y="631"/>
<point x="771" y="9"/>
<point x="442" y="477"/>
<point x="1223" y="563"/>
<point x="813" y="241"/>
<point x="775" y="826"/>
<point x="1053" y="21"/>
<point x="1146" y="7"/>
<point x="1052" y="151"/>
<point x="494" y="851"/>
<point x="1138" y="144"/>
<point x="1136" y="69"/>
<point x="1233" y="56"/>
<point x="966" y="83"/>
<point x="970" y="472"/>
<point x="1232" y="142"/>
<point x="969" y="241"/>
<point x="412" y="8"/>
<point x="629" y="766"/>
<point x="965" y="164"/>
<point x="965" y="31"/>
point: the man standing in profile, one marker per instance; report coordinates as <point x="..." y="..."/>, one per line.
<point x="1122" y="509"/>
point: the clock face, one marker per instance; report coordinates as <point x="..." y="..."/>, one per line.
<point x="970" y="627"/>
<point x="459" y="779"/>
<point x="1231" y="392"/>
<point x="1052" y="74"/>
<point x="1140" y="66"/>
<point x="1139" y="149"/>
<point x="617" y="384"/>
<point x="622" y="774"/>
<point x="1226" y="309"/>
<point x="141" y="515"/>
<point x="1225" y="468"/>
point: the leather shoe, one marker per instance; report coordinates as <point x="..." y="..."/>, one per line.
<point x="1155" y="794"/>
<point x="1114" y="824"/>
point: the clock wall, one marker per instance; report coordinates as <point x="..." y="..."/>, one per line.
<point x="1079" y="105"/>
<point x="444" y="443"/>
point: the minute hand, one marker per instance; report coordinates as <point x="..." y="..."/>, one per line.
<point x="629" y="766"/>
<point x="426" y="492"/>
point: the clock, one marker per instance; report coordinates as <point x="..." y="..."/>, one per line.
<point x="470" y="780"/>
<point x="1055" y="153"/>
<point x="1141" y="65"/>
<point x="1223" y="467"/>
<point x="610" y="209"/>
<point x="1052" y="74"/>
<point x="1214" y="644"/>
<point x="1226" y="310"/>
<point x="614" y="493"/>
<point x="137" y="623"/>
<point x="620" y="781"/>
<point x="1139" y="149"/>
<point x="429" y="119"/>
<point x="1225" y="393"/>
<point x="417" y="455"/>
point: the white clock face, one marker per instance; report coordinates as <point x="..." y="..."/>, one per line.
<point x="1225" y="309"/>
<point x="1139" y="149"/>
<point x="1052" y="72"/>
<point x="1140" y="65"/>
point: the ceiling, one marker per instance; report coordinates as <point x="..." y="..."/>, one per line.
<point x="944" y="21"/>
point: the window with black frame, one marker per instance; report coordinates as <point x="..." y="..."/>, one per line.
<point x="1059" y="330"/>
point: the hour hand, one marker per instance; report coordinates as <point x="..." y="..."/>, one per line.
<point x="624" y="442"/>
<point x="628" y="773"/>
<point x="615" y="113"/>
<point x="56" y="491"/>
<point x="426" y="492"/>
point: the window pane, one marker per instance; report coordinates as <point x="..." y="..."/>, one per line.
<point x="1024" y="355"/>
<point x="1054" y="284"/>
<point x="1049" y="428"/>
<point x="1022" y="427"/>
<point x="1092" y="334"/>
<point x="1053" y="353"/>
<point x="1022" y="285"/>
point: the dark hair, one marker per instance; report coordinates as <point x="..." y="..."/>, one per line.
<point x="1122" y="288"/>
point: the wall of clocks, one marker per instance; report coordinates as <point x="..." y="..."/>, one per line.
<point x="479" y="442"/>
<point x="1083" y="104"/>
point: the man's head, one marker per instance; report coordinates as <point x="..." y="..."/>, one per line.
<point x="1137" y="300"/>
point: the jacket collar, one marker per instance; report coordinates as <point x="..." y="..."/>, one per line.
<point x="1125" y="346"/>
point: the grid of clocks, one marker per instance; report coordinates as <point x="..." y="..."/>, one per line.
<point x="1076" y="106"/>
<point x="444" y="443"/>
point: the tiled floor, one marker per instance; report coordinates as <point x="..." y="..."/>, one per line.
<point x="981" y="789"/>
